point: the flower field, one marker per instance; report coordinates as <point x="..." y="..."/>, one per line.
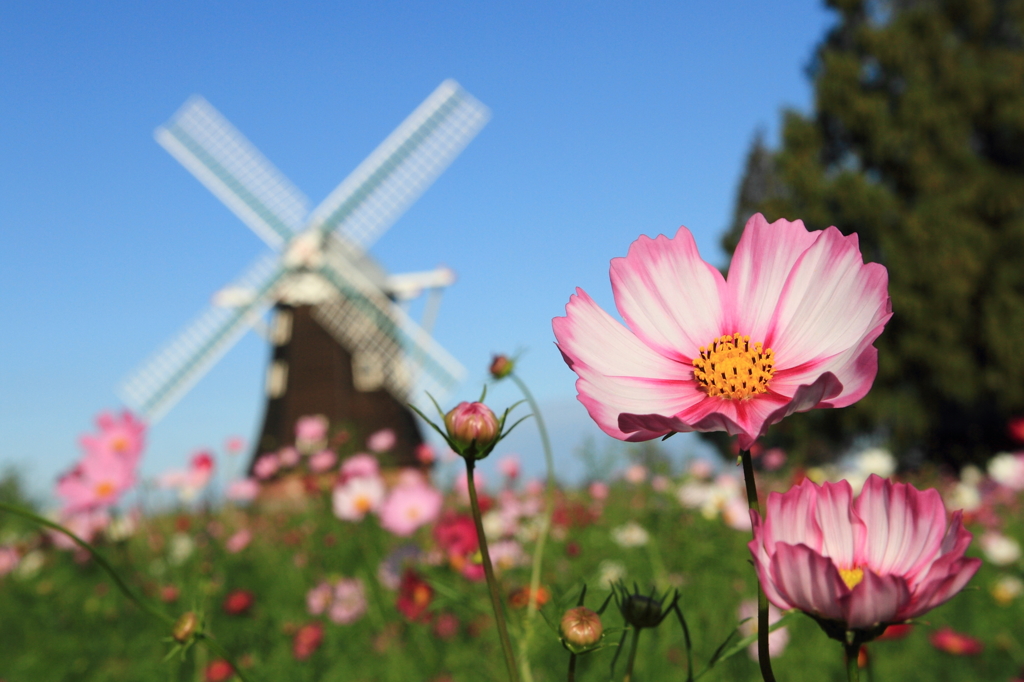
<point x="295" y="592"/>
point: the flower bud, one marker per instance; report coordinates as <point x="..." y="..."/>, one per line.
<point x="186" y="626"/>
<point x="581" y="628"/>
<point x="472" y="429"/>
<point x="501" y="366"/>
<point x="641" y="612"/>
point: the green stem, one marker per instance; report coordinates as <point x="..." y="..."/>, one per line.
<point x="852" y="669"/>
<point x="763" y="657"/>
<point x="542" y="535"/>
<point x="632" y="655"/>
<point x="572" y="668"/>
<point x="492" y="583"/>
<point x="121" y="585"/>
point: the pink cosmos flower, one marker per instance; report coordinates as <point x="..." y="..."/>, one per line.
<point x="266" y="466"/>
<point x="360" y="465"/>
<point x="311" y="430"/>
<point x="348" y="602"/>
<point x="322" y="461"/>
<point x="123" y="437"/>
<point x="288" y="457"/>
<point x="381" y="441"/>
<point x="356" y="497"/>
<point x="952" y="642"/>
<point x="243" y="490"/>
<point x="509" y="466"/>
<point x="9" y="559"/>
<point x="319" y="598"/>
<point x="239" y="541"/>
<point x="598" y="491"/>
<point x="883" y="558"/>
<point x="777" y="640"/>
<point x="234" y="445"/>
<point x="98" y="481"/>
<point x="410" y="506"/>
<point x="84" y="524"/>
<point x="425" y="453"/>
<point x="788" y="331"/>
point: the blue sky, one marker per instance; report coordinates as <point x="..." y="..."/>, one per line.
<point x="609" y="120"/>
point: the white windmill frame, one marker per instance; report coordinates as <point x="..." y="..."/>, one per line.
<point x="327" y="244"/>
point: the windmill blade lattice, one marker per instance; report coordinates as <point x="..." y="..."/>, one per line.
<point x="367" y="321"/>
<point x="235" y="171"/>
<point x="160" y="382"/>
<point x="383" y="186"/>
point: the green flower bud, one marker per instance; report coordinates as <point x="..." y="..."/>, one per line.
<point x="581" y="628"/>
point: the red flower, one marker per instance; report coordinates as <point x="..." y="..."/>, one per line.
<point x="307" y="640"/>
<point x="456" y="534"/>
<point x="218" y="671"/>
<point x="1015" y="429"/>
<point x="238" y="602"/>
<point x="952" y="642"/>
<point x="897" y="631"/>
<point x="521" y="597"/>
<point x="414" y="596"/>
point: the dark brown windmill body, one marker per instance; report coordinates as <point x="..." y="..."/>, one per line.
<point x="311" y="373"/>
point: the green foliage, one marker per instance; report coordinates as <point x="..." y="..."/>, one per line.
<point x="917" y="145"/>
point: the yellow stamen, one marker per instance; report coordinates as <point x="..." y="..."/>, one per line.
<point x="851" y="576"/>
<point x="104" y="489"/>
<point x="363" y="504"/>
<point x="733" y="368"/>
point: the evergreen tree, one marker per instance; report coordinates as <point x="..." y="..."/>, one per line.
<point x="917" y="145"/>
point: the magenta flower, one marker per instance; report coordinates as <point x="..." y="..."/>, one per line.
<point x="98" y="482"/>
<point x="123" y="437"/>
<point x="360" y="465"/>
<point x="381" y="441"/>
<point x="788" y="331"/>
<point x="883" y="558"/>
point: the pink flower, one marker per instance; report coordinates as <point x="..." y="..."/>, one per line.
<point x="288" y="457"/>
<point x="773" y="459"/>
<point x="408" y="507"/>
<point x="311" y="430"/>
<point x="84" y="524"/>
<point x="381" y="441"/>
<point x="243" y="490"/>
<point x="636" y="474"/>
<point x="9" y="559"/>
<point x="883" y="558"/>
<point x="360" y="465"/>
<point x="356" y="497"/>
<point x="319" y="598"/>
<point x="266" y="466"/>
<point x="790" y="330"/>
<point x="124" y="437"/>
<point x="98" y="481"/>
<point x="234" y="445"/>
<point x="599" y="491"/>
<point x="425" y="453"/>
<point x="239" y="541"/>
<point x="348" y="602"/>
<point x="322" y="461"/>
<point x="509" y="466"/>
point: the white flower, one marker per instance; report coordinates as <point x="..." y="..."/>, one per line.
<point x="610" y="572"/>
<point x="1008" y="470"/>
<point x="180" y="549"/>
<point x="965" y="496"/>
<point x="999" y="549"/>
<point x="358" y="496"/>
<point x="30" y="564"/>
<point x="1006" y="589"/>
<point x="494" y="524"/>
<point x="876" y="461"/>
<point x="630" y="534"/>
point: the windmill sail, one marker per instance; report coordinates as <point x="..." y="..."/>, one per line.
<point x="162" y="380"/>
<point x="235" y="171"/>
<point x="383" y="186"/>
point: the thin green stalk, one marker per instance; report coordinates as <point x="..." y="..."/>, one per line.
<point x="542" y="535"/>
<point x="763" y="657"/>
<point x="572" y="668"/>
<point x="121" y="585"/>
<point x="492" y="583"/>
<point x="632" y="655"/>
<point x="852" y="669"/>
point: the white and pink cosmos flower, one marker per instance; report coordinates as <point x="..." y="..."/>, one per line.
<point x="790" y="329"/>
<point x="409" y="505"/>
<point x="358" y="496"/>
<point x="884" y="558"/>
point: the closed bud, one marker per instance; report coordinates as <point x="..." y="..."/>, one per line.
<point x="501" y="366"/>
<point x="641" y="612"/>
<point x="472" y="429"/>
<point x="581" y="628"/>
<point x="185" y="627"/>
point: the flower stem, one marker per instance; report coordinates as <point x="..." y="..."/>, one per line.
<point x="572" y="668"/>
<point x="852" y="667"/>
<point x="542" y="535"/>
<point x="632" y="655"/>
<point x="492" y="584"/>
<point x="763" y="657"/>
<point x="121" y="585"/>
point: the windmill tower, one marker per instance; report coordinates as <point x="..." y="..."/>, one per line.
<point x="341" y="343"/>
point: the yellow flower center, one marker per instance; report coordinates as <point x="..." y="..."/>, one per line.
<point x="733" y="368"/>
<point x="104" y="489"/>
<point x="851" y="576"/>
<point x="363" y="504"/>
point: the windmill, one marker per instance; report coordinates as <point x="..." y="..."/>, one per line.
<point x="342" y="344"/>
